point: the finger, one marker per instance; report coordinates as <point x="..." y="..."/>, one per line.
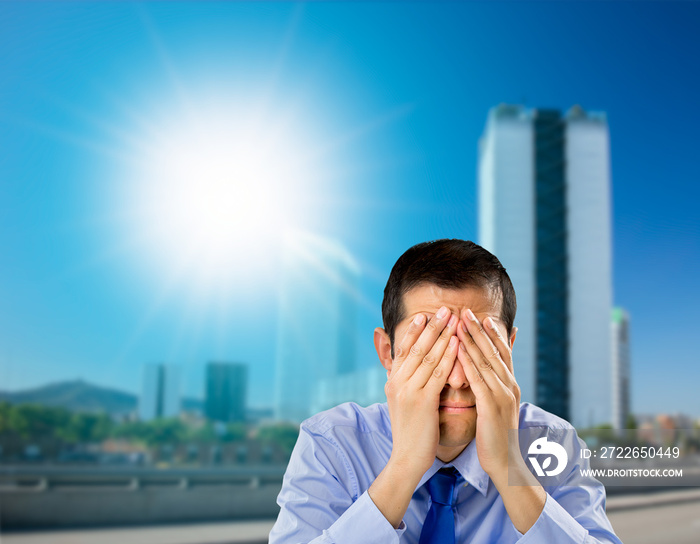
<point x="489" y="351"/>
<point x="433" y="358"/>
<point x="476" y="380"/>
<point x="474" y="357"/>
<point x="484" y="353"/>
<point x="421" y="347"/>
<point x="439" y="375"/>
<point x="415" y="328"/>
<point x="493" y="329"/>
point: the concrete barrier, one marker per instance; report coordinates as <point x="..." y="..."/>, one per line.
<point x="81" y="498"/>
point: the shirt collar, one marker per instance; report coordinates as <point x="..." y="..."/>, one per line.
<point x="467" y="464"/>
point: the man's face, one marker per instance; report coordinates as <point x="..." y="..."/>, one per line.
<point x="458" y="416"/>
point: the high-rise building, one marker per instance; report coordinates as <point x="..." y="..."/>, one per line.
<point x="544" y="211"/>
<point x="364" y="386"/>
<point x="620" y="324"/>
<point x="316" y="330"/>
<point x="160" y="392"/>
<point x="226" y="385"/>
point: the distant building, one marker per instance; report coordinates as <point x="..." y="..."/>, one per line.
<point x="620" y="368"/>
<point x="160" y="392"/>
<point x="365" y="387"/>
<point x="544" y="210"/>
<point x="316" y="329"/>
<point x="226" y="386"/>
<point x="256" y="416"/>
<point x="666" y="429"/>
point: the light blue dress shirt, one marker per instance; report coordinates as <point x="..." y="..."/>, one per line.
<point x="340" y="452"/>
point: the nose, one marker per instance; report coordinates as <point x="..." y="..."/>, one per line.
<point x="457" y="378"/>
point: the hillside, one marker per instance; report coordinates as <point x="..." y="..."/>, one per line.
<point x="77" y="396"/>
<point x="81" y="396"/>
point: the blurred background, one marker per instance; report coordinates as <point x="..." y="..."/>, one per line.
<point x="200" y="204"/>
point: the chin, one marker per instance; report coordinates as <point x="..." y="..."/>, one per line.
<point x="456" y="433"/>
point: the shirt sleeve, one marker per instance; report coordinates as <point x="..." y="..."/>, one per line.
<point x="320" y="501"/>
<point x="573" y="512"/>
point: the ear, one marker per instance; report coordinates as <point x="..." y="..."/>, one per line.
<point x="512" y="337"/>
<point x="383" y="346"/>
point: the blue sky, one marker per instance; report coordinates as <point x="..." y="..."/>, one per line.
<point x="385" y="102"/>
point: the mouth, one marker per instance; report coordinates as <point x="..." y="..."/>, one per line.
<point x="456" y="408"/>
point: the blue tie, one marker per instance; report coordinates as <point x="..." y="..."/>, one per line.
<point x="439" y="526"/>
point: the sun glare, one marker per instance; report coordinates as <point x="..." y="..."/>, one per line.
<point x="214" y="192"/>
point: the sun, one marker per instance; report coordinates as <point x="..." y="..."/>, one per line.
<point x="215" y="189"/>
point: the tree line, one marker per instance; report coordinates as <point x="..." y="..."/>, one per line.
<point x="36" y="422"/>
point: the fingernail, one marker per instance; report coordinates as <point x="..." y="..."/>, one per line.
<point x="442" y="312"/>
<point x="418" y="320"/>
<point x="490" y="323"/>
<point x="452" y="321"/>
<point x="464" y="327"/>
<point x="471" y="315"/>
<point x="453" y="340"/>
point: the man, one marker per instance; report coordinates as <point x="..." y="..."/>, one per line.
<point x="436" y="464"/>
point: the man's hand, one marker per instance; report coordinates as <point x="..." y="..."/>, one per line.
<point x="422" y="363"/>
<point x="487" y="360"/>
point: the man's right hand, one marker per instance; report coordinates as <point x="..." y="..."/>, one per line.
<point x="422" y="362"/>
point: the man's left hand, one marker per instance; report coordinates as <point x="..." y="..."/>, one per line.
<point x="487" y="359"/>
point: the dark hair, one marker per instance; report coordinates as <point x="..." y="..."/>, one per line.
<point x="450" y="264"/>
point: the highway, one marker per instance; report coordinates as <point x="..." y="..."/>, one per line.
<point x="637" y="519"/>
<point x="677" y="523"/>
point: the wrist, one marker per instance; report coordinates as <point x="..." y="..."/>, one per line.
<point x="512" y="474"/>
<point x="524" y="504"/>
<point x="392" y="491"/>
<point x="407" y="468"/>
<point x="523" y="496"/>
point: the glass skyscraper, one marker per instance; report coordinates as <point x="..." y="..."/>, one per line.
<point x="317" y="317"/>
<point x="364" y="386"/>
<point x="226" y="385"/>
<point x="620" y="324"/>
<point x="160" y="392"/>
<point x="544" y="211"/>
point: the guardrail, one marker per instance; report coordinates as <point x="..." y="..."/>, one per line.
<point x="73" y="497"/>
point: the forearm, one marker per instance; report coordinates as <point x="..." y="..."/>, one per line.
<point x="540" y="518"/>
<point x="524" y="504"/>
<point x="523" y="496"/>
<point x="391" y="492"/>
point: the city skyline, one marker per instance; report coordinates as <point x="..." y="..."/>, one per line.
<point x="391" y="99"/>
